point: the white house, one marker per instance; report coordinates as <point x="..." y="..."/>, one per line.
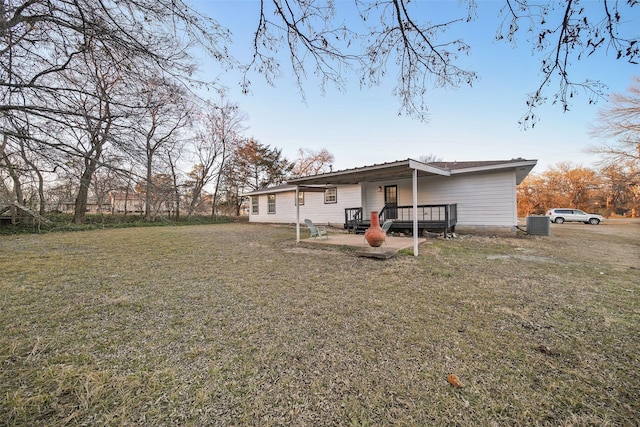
<point x="320" y="204"/>
<point x="478" y="195"/>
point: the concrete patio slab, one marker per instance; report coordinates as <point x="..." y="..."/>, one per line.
<point x="388" y="249"/>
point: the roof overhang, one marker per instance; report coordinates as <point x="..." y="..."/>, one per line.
<point x="404" y="169"/>
<point x="381" y="172"/>
<point x="285" y="188"/>
<point x="522" y="168"/>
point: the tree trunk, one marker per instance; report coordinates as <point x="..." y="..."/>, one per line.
<point x="214" y="200"/>
<point x="238" y="203"/>
<point x="148" y="190"/>
<point x="83" y="192"/>
<point x="41" y="193"/>
<point x="17" y="186"/>
<point x="176" y="191"/>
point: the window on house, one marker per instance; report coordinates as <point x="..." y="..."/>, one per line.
<point x="254" y="205"/>
<point x="300" y="198"/>
<point x="331" y="195"/>
<point x="271" y="203"/>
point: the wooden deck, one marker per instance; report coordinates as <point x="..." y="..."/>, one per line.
<point x="433" y="218"/>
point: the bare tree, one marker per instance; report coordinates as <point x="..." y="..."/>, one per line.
<point x="312" y="162"/>
<point x="31" y="161"/>
<point x="104" y="181"/>
<point x="172" y="156"/>
<point x="428" y="158"/>
<point x="9" y="162"/>
<point x="617" y="185"/>
<point x="575" y="185"/>
<point x="88" y="137"/>
<point x="44" y="41"/>
<point x="221" y="127"/>
<point x="620" y="121"/>
<point x="6" y="195"/>
<point x="567" y="31"/>
<point x="160" y="201"/>
<point x="42" y="38"/>
<point x="318" y="39"/>
<point x="165" y="110"/>
<point x="398" y="35"/>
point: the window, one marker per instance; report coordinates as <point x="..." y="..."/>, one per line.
<point x="300" y="198"/>
<point x="271" y="203"/>
<point x="254" y="205"/>
<point x="331" y="195"/>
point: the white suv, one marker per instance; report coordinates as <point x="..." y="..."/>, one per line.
<point x="573" y="215"/>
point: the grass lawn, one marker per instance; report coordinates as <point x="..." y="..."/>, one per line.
<point x="235" y="324"/>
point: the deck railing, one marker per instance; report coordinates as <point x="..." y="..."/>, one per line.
<point x="430" y="217"/>
<point x="447" y="214"/>
<point x="352" y="218"/>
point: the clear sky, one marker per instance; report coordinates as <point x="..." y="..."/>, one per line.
<point x="362" y="127"/>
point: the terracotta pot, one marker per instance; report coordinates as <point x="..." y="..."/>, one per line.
<point x="375" y="235"/>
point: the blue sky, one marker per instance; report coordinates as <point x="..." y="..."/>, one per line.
<point x="362" y="127"/>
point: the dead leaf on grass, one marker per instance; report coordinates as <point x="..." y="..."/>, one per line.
<point x="454" y="380"/>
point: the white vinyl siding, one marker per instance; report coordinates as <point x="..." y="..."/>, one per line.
<point x="314" y="208"/>
<point x="483" y="199"/>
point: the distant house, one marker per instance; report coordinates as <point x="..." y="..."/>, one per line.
<point x="123" y="202"/>
<point x="479" y="195"/>
<point x="92" y="207"/>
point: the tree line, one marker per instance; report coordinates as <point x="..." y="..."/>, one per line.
<point x="610" y="190"/>
<point x="97" y="95"/>
<point x="174" y="155"/>
<point x="613" y="188"/>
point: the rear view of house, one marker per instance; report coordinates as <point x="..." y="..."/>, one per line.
<point x="477" y="195"/>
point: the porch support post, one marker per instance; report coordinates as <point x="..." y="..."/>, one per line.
<point x="297" y="214"/>
<point x="415" y="212"/>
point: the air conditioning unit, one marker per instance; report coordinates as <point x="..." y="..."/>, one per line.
<point x="538" y="226"/>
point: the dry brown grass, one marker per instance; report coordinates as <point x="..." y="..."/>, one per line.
<point x="236" y="325"/>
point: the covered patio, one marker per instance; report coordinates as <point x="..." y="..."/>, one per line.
<point x="401" y="169"/>
<point x="484" y="190"/>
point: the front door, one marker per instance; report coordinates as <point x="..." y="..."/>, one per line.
<point x="391" y="202"/>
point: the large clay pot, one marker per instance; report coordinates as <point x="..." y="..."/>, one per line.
<point x="375" y="235"/>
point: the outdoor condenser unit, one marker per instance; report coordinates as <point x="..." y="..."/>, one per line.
<point x="538" y="226"/>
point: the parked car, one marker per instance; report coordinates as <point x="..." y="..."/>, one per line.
<point x="560" y="215"/>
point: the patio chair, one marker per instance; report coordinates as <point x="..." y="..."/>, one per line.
<point x="317" y="231"/>
<point x="385" y="227"/>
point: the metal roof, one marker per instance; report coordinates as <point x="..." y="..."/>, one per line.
<point x="283" y="188"/>
<point x="404" y="169"/>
